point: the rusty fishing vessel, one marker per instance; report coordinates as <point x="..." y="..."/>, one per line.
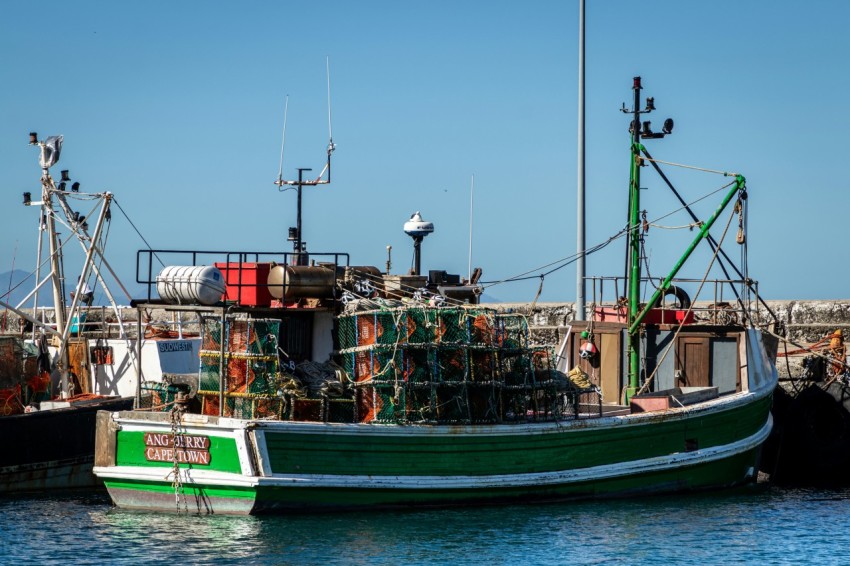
<point x="326" y="385"/>
<point x="47" y="426"/>
<point x="67" y="361"/>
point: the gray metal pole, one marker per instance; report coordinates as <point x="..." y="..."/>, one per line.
<point x="580" y="236"/>
<point x="140" y="335"/>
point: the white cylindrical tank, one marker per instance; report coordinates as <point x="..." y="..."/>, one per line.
<point x="191" y="284"/>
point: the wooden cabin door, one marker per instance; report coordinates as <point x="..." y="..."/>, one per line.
<point x="610" y="353"/>
<point x="78" y="358"/>
<point x="605" y="369"/>
<point x="693" y="362"/>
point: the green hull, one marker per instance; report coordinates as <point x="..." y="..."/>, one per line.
<point x="151" y="496"/>
<point x="260" y="466"/>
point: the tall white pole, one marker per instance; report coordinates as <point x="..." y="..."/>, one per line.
<point x="580" y="239"/>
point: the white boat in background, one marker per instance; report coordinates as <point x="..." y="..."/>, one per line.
<point x="71" y="360"/>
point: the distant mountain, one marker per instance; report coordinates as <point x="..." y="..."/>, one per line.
<point x="15" y="286"/>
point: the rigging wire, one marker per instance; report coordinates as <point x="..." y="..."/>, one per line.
<point x="283" y="142"/>
<point x="711" y="241"/>
<point x="568" y="260"/>
<point x="681" y="325"/>
<point x="101" y="245"/>
<point x="695" y="168"/>
<point x="330" y="128"/>
<point x="9" y="291"/>
<point x="533" y="273"/>
<point x="115" y="200"/>
<point x="688" y="205"/>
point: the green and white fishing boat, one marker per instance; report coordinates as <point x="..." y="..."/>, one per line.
<point x="323" y="385"/>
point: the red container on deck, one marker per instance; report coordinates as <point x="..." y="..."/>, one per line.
<point x="654" y="316"/>
<point x="669" y="316"/>
<point x="246" y="284"/>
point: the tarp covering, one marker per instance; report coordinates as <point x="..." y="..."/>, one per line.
<point x="50" y="151"/>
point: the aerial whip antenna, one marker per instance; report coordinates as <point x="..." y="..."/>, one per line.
<point x="299" y="246"/>
<point x="471" y="201"/>
<point x="330" y="128"/>
<point x="282" y="144"/>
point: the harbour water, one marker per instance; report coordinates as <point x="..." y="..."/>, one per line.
<point x="756" y="525"/>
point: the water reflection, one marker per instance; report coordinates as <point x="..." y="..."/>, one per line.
<point x="761" y="526"/>
<point x="163" y="535"/>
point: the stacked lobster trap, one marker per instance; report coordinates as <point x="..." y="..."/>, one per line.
<point x="399" y="365"/>
<point x="421" y="364"/>
<point x="245" y="354"/>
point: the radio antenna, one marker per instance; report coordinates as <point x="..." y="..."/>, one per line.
<point x="330" y="128"/>
<point x="471" y="202"/>
<point x="282" y="144"/>
<point x="299" y="246"/>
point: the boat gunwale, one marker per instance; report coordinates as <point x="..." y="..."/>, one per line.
<point x="729" y="402"/>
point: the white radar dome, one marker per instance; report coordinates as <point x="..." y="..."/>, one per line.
<point x="416" y="227"/>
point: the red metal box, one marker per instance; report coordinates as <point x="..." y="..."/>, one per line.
<point x="247" y="284"/>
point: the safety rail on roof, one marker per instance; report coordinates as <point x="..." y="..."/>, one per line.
<point x="149" y="263"/>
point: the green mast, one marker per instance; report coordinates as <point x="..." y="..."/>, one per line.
<point x="638" y="131"/>
<point x="634" y="244"/>
<point x="636" y="314"/>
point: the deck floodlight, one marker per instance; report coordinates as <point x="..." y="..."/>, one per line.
<point x="65" y="176"/>
<point x="27" y="198"/>
<point x="668" y="126"/>
<point x="33" y="138"/>
<point x="75" y="187"/>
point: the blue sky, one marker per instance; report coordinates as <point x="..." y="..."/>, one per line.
<point x="177" y="108"/>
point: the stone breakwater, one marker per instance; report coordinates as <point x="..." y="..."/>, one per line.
<point x="805" y="322"/>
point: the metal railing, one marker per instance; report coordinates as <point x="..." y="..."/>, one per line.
<point x="238" y="264"/>
<point x="720" y="301"/>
